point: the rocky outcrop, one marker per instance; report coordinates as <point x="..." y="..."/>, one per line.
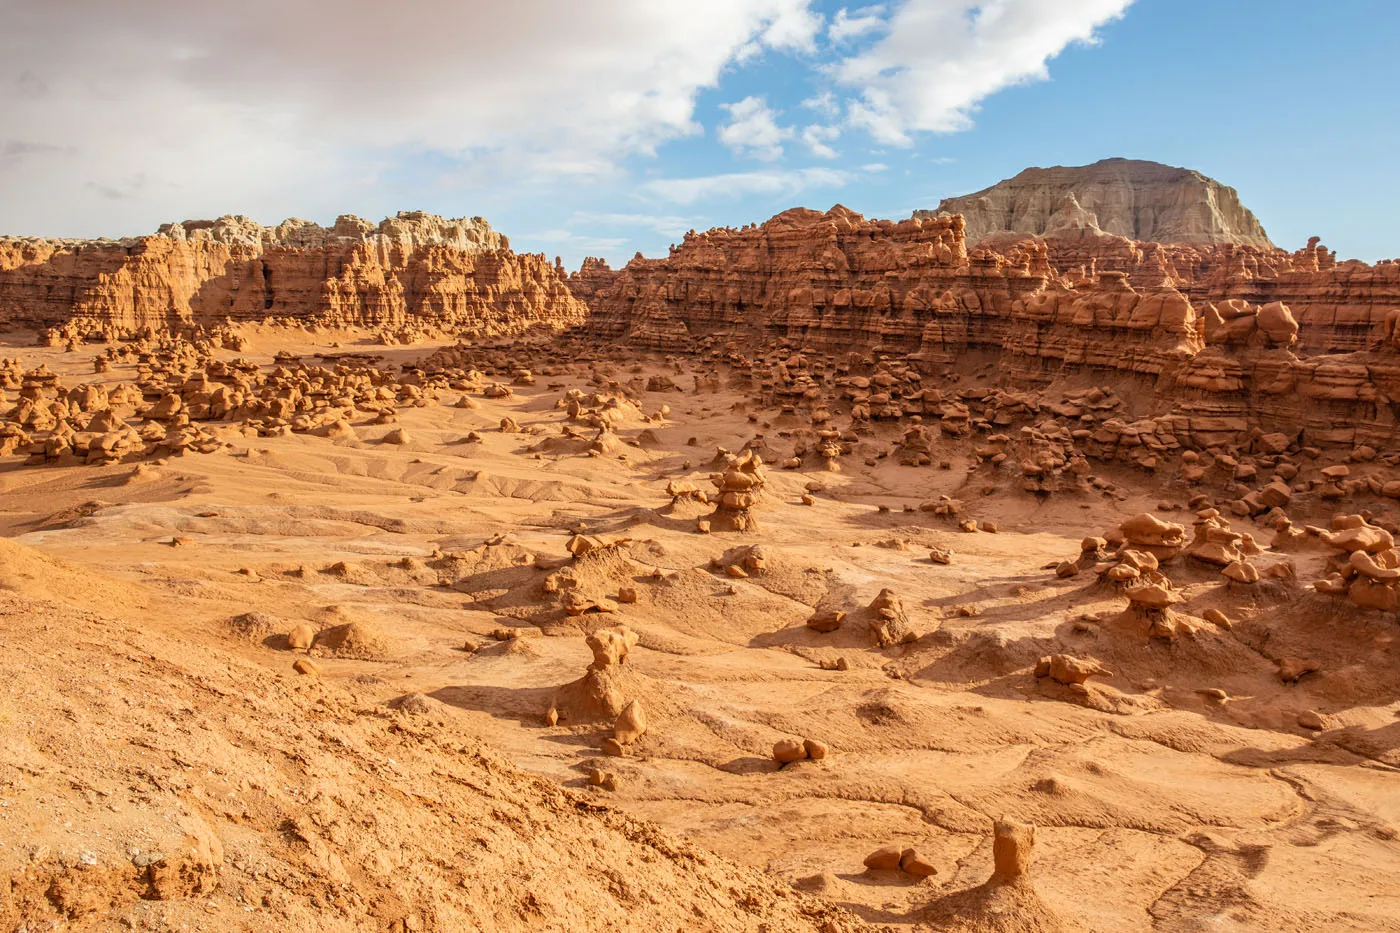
<point x="1138" y="200"/>
<point x="835" y="278"/>
<point x="1219" y="340"/>
<point x="412" y="269"/>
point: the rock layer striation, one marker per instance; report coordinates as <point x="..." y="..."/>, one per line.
<point x="413" y="268"/>
<point x="1219" y="341"/>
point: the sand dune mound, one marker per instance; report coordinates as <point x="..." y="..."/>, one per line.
<point x="29" y="572"/>
<point x="271" y="835"/>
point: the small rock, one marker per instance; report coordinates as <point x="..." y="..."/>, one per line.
<point x="786" y="751"/>
<point x="597" y="777"/>
<point x="885" y="858"/>
<point x="1217" y="618"/>
<point x="301" y="637"/>
<point x="916" y="864"/>
<point x="1291" y="670"/>
<point x="828" y="620"/>
<point x="631" y="723"/>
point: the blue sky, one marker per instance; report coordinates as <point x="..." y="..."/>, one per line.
<point x="611" y="127"/>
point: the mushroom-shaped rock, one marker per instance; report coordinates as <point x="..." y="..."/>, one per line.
<point x="1354" y="533"/>
<point x="1147" y="532"/>
<point x="1241" y="571"/>
<point x="888" y="623"/>
<point x="1007" y="902"/>
<point x="611" y="646"/>
<point x="1384" y="566"/>
<point x="1012" y="843"/>
<point x="740" y="486"/>
<point x="601" y="692"/>
<point x="1152" y="596"/>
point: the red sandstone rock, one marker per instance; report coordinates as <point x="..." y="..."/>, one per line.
<point x="455" y="274"/>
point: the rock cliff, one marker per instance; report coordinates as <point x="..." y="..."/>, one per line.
<point x="411" y="269"/>
<point x="1218" y="341"/>
<point x="1139" y="200"/>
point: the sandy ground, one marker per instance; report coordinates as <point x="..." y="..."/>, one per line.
<point x="1158" y="807"/>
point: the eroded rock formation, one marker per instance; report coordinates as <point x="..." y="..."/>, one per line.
<point x="1219" y="340"/>
<point x="411" y="269"/>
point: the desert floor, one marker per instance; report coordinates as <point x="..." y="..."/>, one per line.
<point x="132" y="704"/>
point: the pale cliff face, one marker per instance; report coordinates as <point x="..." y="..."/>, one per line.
<point x="1139" y="200"/>
<point x="412" y="267"/>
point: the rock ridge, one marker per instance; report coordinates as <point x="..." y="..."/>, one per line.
<point x="410" y="270"/>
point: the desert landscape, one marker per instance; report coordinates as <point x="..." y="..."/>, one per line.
<point x="1024" y="565"/>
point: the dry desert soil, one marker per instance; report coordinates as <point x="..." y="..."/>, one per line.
<point x="432" y="756"/>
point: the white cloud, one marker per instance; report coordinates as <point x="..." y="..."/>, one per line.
<point x="736" y="184"/>
<point x="818" y="137"/>
<point x="845" y="26"/>
<point x="114" y="117"/>
<point x="666" y="225"/>
<point x="575" y="244"/>
<point x="824" y="103"/>
<point x="753" y="130"/>
<point x="941" y="58"/>
<point x="794" y="28"/>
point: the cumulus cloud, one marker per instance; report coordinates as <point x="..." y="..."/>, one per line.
<point x="115" y="117"/>
<point x="665" y="224"/>
<point x="753" y="130"/>
<point x="818" y="139"/>
<point x="275" y="105"/>
<point x="846" y="26"/>
<point x="940" y="58"/>
<point x="792" y="27"/>
<point x="824" y="103"/>
<point x="771" y="182"/>
<point x="580" y="243"/>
